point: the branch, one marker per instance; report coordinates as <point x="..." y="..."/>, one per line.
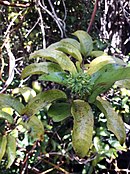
<point x="6" y="3"/>
<point x="93" y="16"/>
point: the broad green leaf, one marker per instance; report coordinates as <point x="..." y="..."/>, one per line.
<point x="40" y="68"/>
<point x="58" y="77"/>
<point x="35" y="128"/>
<point x="83" y="127"/>
<point x="67" y="48"/>
<point x="59" y="111"/>
<point x="86" y="43"/>
<point x="105" y="77"/>
<point x="6" y="116"/>
<point x="42" y="100"/>
<point x="8" y="110"/>
<point x="27" y="93"/>
<point x="114" y="121"/>
<point x="3" y="143"/>
<point x="56" y="56"/>
<point x="7" y="100"/>
<point x="11" y="150"/>
<point x="73" y="42"/>
<point x="123" y="83"/>
<point x="98" y="53"/>
<point x="101" y="61"/>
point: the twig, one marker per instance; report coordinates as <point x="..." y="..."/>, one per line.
<point x="11" y="66"/>
<point x="41" y="25"/>
<point x="47" y="171"/>
<point x="26" y="158"/>
<point x="32" y="28"/>
<point x="60" y="23"/>
<point x="56" y="167"/>
<point x="93" y="16"/>
<point x="6" y="3"/>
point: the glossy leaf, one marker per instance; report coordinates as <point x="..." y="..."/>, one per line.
<point x="83" y="127"/>
<point x="59" y="111"/>
<point x="42" y="100"/>
<point x="3" y="143"/>
<point x="105" y="77"/>
<point x="11" y="150"/>
<point x="114" y="121"/>
<point x="67" y="48"/>
<point x="7" y="100"/>
<point x="101" y="61"/>
<point x="71" y="41"/>
<point x="98" y="53"/>
<point x="86" y="43"/>
<point x="58" y="77"/>
<point x="27" y="93"/>
<point x="6" y="116"/>
<point x="40" y="68"/>
<point x="56" y="56"/>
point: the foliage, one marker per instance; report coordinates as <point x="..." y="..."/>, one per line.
<point x="73" y="75"/>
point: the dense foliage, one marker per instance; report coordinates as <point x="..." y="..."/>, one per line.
<point x="40" y="127"/>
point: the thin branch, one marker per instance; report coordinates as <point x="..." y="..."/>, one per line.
<point x="93" y="16"/>
<point x="6" y="3"/>
<point x="32" y="28"/>
<point x="56" y="167"/>
<point x="11" y="66"/>
<point x="42" y="26"/>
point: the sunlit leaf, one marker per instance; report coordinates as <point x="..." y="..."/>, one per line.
<point x="98" y="53"/>
<point x="101" y="61"/>
<point x="105" y="77"/>
<point x="40" y="68"/>
<point x="26" y="92"/>
<point x="71" y="41"/>
<point x="3" y="143"/>
<point x="86" y="43"/>
<point x="114" y="121"/>
<point x="11" y="150"/>
<point x="42" y="100"/>
<point x="7" y="100"/>
<point x="58" y="77"/>
<point x="83" y="127"/>
<point x="59" y="111"/>
<point x="56" y="56"/>
<point x="6" y="116"/>
<point x="67" y="48"/>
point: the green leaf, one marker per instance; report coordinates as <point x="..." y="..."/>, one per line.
<point x="67" y="48"/>
<point x="71" y="41"/>
<point x="58" y="77"/>
<point x="98" y="53"/>
<point x="86" y="43"/>
<point x="83" y="127"/>
<point x="105" y="77"/>
<point x="40" y="68"/>
<point x="36" y="128"/>
<point x="27" y="93"/>
<point x="59" y="111"/>
<point x="101" y="61"/>
<point x="3" y="143"/>
<point x="42" y="100"/>
<point x="56" y="56"/>
<point x="11" y="150"/>
<point x="7" y="100"/>
<point x="6" y="116"/>
<point x="114" y="121"/>
<point x="123" y="83"/>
